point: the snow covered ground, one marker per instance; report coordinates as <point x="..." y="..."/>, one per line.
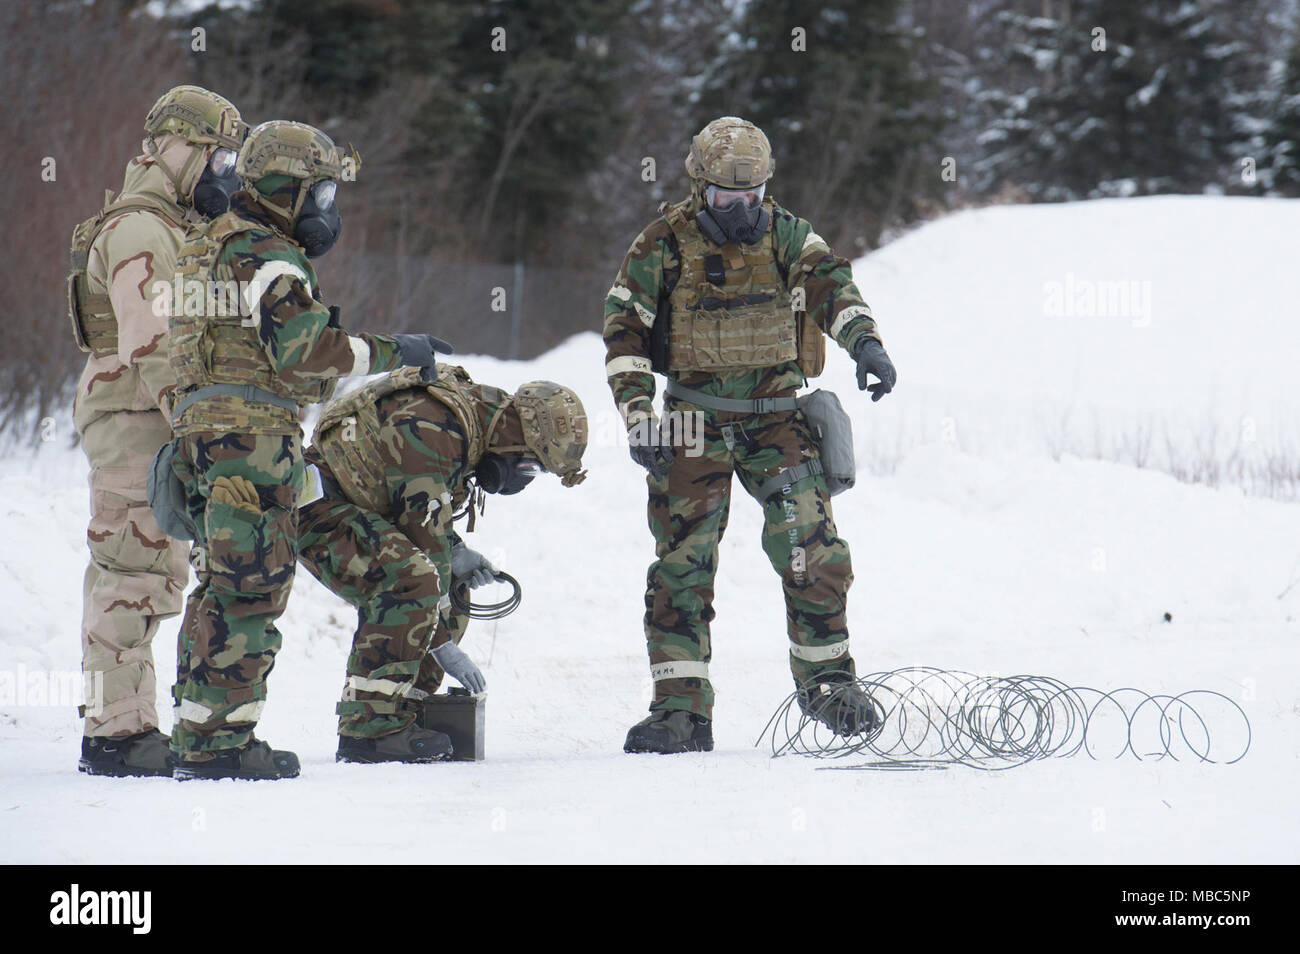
<point x="985" y="537"/>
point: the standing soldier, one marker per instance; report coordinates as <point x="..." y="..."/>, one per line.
<point x="729" y="295"/>
<point x="397" y="459"/>
<point x="137" y="575"/>
<point x="242" y="372"/>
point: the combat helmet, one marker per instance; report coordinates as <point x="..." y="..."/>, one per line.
<point x="732" y="153"/>
<point x="555" y="429"/>
<point x="199" y="116"/>
<point x="294" y="170"/>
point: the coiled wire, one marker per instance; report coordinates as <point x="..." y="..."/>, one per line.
<point x="461" y="601"/>
<point x="929" y="718"/>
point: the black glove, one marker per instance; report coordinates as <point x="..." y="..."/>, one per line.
<point x="334" y="321"/>
<point x="872" y="359"/>
<point x="648" y="447"/>
<point x="419" y="350"/>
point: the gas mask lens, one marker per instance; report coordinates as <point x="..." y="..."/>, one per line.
<point x="322" y="193"/>
<point x="222" y="162"/>
<point x="720" y="198"/>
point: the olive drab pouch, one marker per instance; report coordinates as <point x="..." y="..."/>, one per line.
<point x="94" y="326"/>
<point x="166" y="495"/>
<point x="833" y="431"/>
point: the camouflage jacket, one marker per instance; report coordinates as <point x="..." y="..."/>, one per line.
<point x="425" y="456"/>
<point x="651" y="269"/>
<point x="292" y="325"/>
<point x="133" y="253"/>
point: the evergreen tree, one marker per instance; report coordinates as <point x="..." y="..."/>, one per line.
<point x="1144" y="107"/>
<point x="1283" y="136"/>
<point x="838" y="93"/>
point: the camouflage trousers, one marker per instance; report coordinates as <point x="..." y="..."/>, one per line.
<point x="242" y="491"/>
<point x="688" y="516"/>
<point x="401" y="610"/>
<point x="136" y="576"/>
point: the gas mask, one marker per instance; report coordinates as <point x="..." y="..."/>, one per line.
<point x="505" y="474"/>
<point x="318" y="225"/>
<point x="211" y="196"/>
<point x="733" y="215"/>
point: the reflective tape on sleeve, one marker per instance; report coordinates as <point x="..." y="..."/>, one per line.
<point x="628" y="362"/>
<point x="679" y="669"/>
<point x="360" y="356"/>
<point x="820" y="653"/>
<point x="847" y="315"/>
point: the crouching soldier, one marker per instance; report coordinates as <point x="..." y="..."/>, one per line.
<point x="396" y="460"/>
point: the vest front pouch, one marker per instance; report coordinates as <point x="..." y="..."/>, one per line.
<point x="743" y="322"/>
<point x="833" y="431"/>
<point x="166" y="495"/>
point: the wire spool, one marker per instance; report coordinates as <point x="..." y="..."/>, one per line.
<point x="931" y="718"/>
<point x="460" y="599"/>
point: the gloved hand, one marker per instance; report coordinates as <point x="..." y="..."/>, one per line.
<point x="648" y="447"/>
<point x="871" y="358"/>
<point x="460" y="667"/>
<point x="470" y="567"/>
<point x="238" y="492"/>
<point x="419" y="350"/>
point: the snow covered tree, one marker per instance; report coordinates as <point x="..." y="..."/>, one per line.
<point x="1283" y="135"/>
<point x="1109" y="97"/>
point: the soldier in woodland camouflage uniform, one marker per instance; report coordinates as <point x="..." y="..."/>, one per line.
<point x="262" y="345"/>
<point x="397" y="459"/>
<point x="137" y="575"/>
<point x="730" y="296"/>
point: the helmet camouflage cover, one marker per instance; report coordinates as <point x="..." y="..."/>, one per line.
<point x="197" y="114"/>
<point x="555" y="428"/>
<point x="730" y="152"/>
<point x="296" y="150"/>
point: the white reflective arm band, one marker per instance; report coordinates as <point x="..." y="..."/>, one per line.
<point x="360" y="356"/>
<point x="248" y="712"/>
<point x="820" y="653"/>
<point x="619" y="293"/>
<point x="645" y="314"/>
<point x="628" y="362"/>
<point x="847" y="315"/>
<point x="811" y="242"/>
<point x="263" y="278"/>
<point x="679" y="669"/>
<point x="385" y="687"/>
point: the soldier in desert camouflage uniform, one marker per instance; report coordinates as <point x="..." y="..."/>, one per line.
<point x="245" y="361"/>
<point x="137" y="575"/>
<point x="731" y="296"/>
<point x="397" y="459"/>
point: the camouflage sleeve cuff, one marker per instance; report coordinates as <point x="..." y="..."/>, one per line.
<point x="384" y="354"/>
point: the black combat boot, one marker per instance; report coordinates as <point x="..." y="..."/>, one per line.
<point x="837" y="701"/>
<point x="142" y="754"/>
<point x="256" y="761"/>
<point x="411" y="744"/>
<point x="669" y="731"/>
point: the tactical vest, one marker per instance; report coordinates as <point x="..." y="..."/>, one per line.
<point x="219" y="345"/>
<point x="347" y="434"/>
<point x="731" y="306"/>
<point x="94" y="326"/>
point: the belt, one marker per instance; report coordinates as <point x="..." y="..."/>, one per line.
<point x="248" y="392"/>
<point x="744" y="406"/>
